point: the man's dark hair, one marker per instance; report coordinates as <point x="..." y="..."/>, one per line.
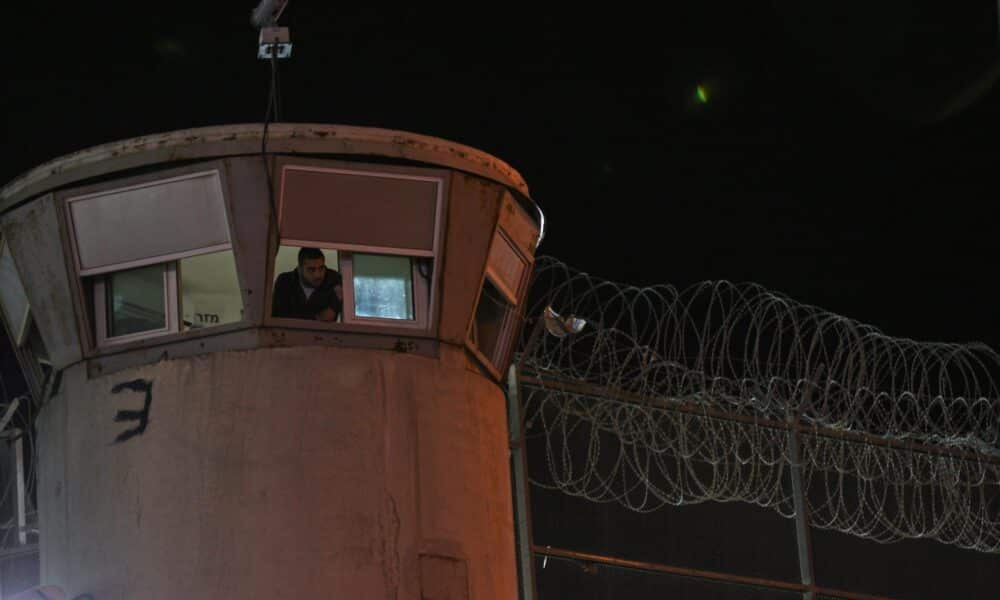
<point x="309" y="254"/>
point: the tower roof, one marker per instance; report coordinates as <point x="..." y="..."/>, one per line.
<point x="244" y="139"/>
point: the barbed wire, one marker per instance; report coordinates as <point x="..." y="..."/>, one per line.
<point x="670" y="397"/>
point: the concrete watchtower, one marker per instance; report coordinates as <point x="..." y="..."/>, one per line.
<point x="193" y="446"/>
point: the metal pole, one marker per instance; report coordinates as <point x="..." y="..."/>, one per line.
<point x="802" y="536"/>
<point x="519" y="476"/>
<point x="22" y="533"/>
<point x="699" y="573"/>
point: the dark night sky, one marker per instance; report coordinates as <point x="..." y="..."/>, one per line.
<point x="819" y="166"/>
<point x="845" y="156"/>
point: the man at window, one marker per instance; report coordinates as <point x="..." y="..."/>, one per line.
<point x="310" y="291"/>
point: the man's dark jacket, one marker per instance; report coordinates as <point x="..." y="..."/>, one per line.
<point x="290" y="302"/>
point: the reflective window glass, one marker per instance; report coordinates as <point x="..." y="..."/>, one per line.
<point x="210" y="290"/>
<point x="490" y="318"/>
<point x="12" y="295"/>
<point x="136" y="301"/>
<point x="383" y="286"/>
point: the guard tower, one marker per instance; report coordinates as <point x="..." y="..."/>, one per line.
<point x="193" y="446"/>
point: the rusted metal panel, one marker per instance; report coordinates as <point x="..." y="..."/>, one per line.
<point x="472" y="218"/>
<point x="225" y="339"/>
<point x="358" y="205"/>
<point x="443" y="578"/>
<point x="353" y="462"/>
<point x="232" y="140"/>
<point x="34" y="234"/>
<point x="182" y="346"/>
<point x="280" y="332"/>
<point x="251" y="218"/>
<point x="584" y="558"/>
<point x="508" y="267"/>
<point x="460" y="469"/>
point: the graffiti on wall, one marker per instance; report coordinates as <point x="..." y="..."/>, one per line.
<point x="141" y="417"/>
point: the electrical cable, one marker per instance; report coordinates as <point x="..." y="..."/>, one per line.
<point x="273" y="111"/>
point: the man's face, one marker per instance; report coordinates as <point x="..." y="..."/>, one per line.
<point x="312" y="271"/>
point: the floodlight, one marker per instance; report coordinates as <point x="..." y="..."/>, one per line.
<point x="274" y="42"/>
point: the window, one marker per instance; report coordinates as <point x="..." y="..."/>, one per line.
<point x="506" y="266"/>
<point x="491" y="316"/>
<point x="24" y="333"/>
<point x="376" y="288"/>
<point x="495" y="321"/>
<point x="209" y="290"/>
<point x="133" y="304"/>
<point x="137" y="301"/>
<point x="386" y="288"/>
<point x="286" y="263"/>
<point x="156" y="257"/>
<point x="379" y="230"/>
<point x="383" y="287"/>
<point x="12" y="296"/>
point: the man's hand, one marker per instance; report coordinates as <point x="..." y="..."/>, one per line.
<point x="327" y="314"/>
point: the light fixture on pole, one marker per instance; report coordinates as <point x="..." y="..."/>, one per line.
<point x="273" y="41"/>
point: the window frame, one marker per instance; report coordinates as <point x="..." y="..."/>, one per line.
<point x="171" y="307"/>
<point x="506" y="336"/>
<point x="426" y="292"/>
<point x="504" y="331"/>
<point x="33" y="364"/>
<point x="18" y="331"/>
<point x="85" y="283"/>
<point x="419" y="291"/>
<point x="513" y="296"/>
<point x="146" y="183"/>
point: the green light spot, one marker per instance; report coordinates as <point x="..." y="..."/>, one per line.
<point x="702" y="94"/>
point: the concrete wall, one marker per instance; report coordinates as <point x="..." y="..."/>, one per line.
<point x="306" y="472"/>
